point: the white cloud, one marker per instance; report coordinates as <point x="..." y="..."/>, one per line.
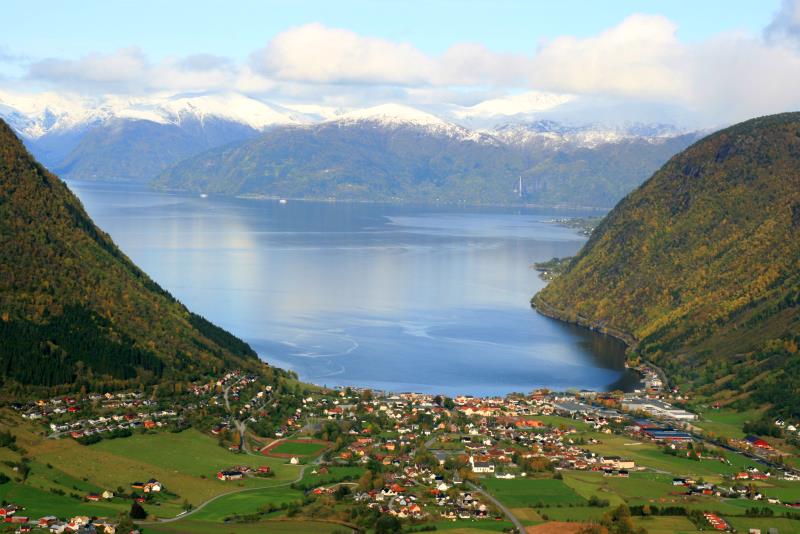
<point x="317" y="54"/>
<point x="641" y="60"/>
<point x="120" y="67"/>
<point x="128" y="70"/>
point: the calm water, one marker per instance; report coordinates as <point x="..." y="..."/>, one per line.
<point x="397" y="298"/>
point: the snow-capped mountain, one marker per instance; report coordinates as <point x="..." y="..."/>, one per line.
<point x="552" y="134"/>
<point x="393" y="116"/>
<point x="35" y="116"/>
<point x="230" y="143"/>
<point x="519" y="107"/>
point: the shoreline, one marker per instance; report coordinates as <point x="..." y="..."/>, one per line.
<point x="264" y="197"/>
<point x="548" y="310"/>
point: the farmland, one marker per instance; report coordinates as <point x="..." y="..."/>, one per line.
<point x="296" y="447"/>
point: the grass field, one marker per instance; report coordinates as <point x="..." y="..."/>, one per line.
<point x="650" y="455"/>
<point x="666" y="525"/>
<point x="186" y="463"/>
<point x="334" y="474"/>
<point x="40" y="502"/>
<point x="726" y="422"/>
<point x="246" y="502"/>
<point x="298" y="448"/>
<point x="472" y="527"/>
<point x="784" y="526"/>
<point x="639" y="488"/>
<point x="528" y="492"/>
<point x="272" y="527"/>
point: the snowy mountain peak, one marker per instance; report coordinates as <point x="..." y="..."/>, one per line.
<point x="520" y="104"/>
<point x="399" y="116"/>
<point x="552" y="133"/>
<point x="37" y="115"/>
<point x="231" y="106"/>
<point x="394" y="114"/>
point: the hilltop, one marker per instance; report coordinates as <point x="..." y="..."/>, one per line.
<point x="74" y="310"/>
<point x="699" y="268"/>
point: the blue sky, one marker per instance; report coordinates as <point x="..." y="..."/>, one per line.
<point x="161" y="28"/>
<point x="713" y="61"/>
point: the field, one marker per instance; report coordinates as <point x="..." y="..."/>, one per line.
<point x="334" y="474"/>
<point x="784" y="526"/>
<point x="616" y="490"/>
<point x="528" y="492"/>
<point x="40" y="502"/>
<point x="472" y="527"/>
<point x="245" y="502"/>
<point x="186" y="463"/>
<point x="666" y="525"/>
<point x="726" y="422"/>
<point x="296" y="447"/>
<point x="273" y="527"/>
<point x="650" y="455"/>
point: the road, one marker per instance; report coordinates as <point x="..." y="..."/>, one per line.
<point x="511" y="517"/>
<point x="212" y="499"/>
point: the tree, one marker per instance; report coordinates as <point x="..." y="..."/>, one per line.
<point x="388" y="524"/>
<point x="124" y="524"/>
<point x="137" y="512"/>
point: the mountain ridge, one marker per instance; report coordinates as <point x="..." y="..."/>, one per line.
<point x="74" y="309"/>
<point x="698" y="269"/>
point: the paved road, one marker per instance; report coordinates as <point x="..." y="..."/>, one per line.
<point x="511" y="517"/>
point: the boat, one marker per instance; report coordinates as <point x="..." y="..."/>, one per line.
<point x="282" y="201"/>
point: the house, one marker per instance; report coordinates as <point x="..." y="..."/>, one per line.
<point x="230" y="475"/>
<point x="480" y="467"/>
<point x="152" y="486"/>
<point x="47" y="520"/>
<point x="757" y="442"/>
<point x="295" y="460"/>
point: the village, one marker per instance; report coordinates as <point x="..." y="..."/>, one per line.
<point x="419" y="459"/>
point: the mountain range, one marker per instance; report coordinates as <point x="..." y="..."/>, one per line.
<point x="74" y="310"/>
<point x="698" y="269"/>
<point x="235" y="145"/>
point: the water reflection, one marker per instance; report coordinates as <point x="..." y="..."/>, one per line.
<point x="402" y="298"/>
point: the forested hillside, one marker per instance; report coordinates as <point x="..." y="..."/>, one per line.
<point x="699" y="268"/>
<point x="74" y="310"/>
<point x="369" y="161"/>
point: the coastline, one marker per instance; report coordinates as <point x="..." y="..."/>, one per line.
<point x="548" y="310"/>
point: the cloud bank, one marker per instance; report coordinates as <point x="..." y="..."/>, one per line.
<point x="726" y="78"/>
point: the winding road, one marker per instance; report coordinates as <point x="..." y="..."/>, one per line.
<point x="511" y="517"/>
<point x="232" y="492"/>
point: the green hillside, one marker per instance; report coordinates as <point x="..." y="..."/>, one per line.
<point x="73" y="308"/>
<point x="364" y="162"/>
<point x="699" y="268"/>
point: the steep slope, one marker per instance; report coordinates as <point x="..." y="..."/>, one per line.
<point x="699" y="268"/>
<point x="133" y="138"/>
<point x="394" y="153"/>
<point x="358" y="158"/>
<point x="73" y="308"/>
<point x="138" y="150"/>
<point x="595" y="175"/>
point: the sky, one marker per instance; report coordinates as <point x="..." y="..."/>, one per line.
<point x="708" y="62"/>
